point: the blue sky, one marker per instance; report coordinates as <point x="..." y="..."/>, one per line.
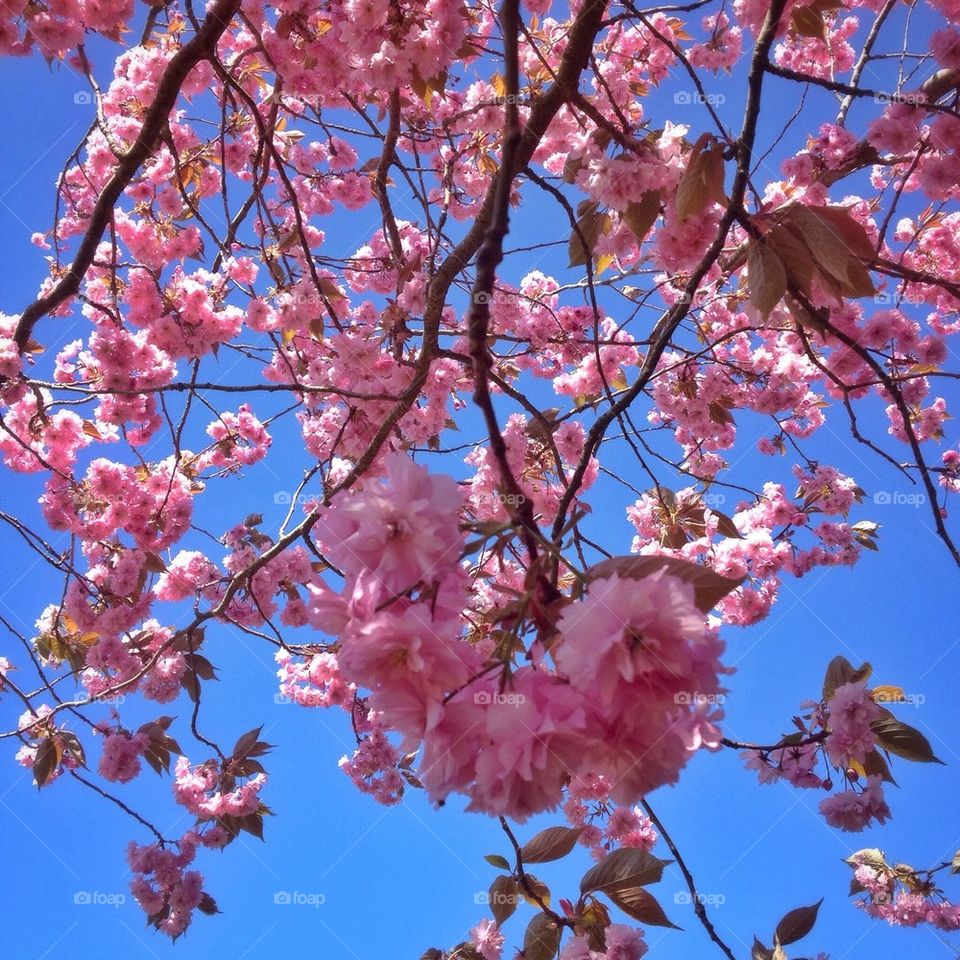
<point x="394" y="881"/>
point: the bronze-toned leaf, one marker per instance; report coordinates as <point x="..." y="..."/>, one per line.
<point x="630" y="866"/>
<point x="504" y="896"/>
<point x="642" y="214"/>
<point x="767" y="277"/>
<point x="709" y="588"/>
<point x="640" y="904"/>
<point x="797" y="923"/>
<point x="902" y="740"/>
<point x="542" y="938"/>
<point x="550" y="844"/>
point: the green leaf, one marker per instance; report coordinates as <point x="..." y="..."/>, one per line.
<point x="797" y="923"/>
<point x="495" y="860"/>
<point x="623" y="868"/>
<point x="902" y="740"/>
<point x="550" y="844"/>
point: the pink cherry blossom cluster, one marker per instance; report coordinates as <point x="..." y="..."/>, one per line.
<point x="840" y="733"/>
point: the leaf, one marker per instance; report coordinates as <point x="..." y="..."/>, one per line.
<point x="630" y="866"/>
<point x="590" y="226"/>
<point x="495" y="860"/>
<point x="870" y="856"/>
<point x="794" y="255"/>
<point x="955" y="863"/>
<point x="709" y="588"/>
<point x="767" y="277"/>
<point x="808" y="23"/>
<point x="641" y="905"/>
<point x="504" y="897"/>
<point x="875" y="765"/>
<point x="702" y="181"/>
<point x="246" y="742"/>
<point x="759" y="951"/>
<point x="45" y="762"/>
<point x="535" y="892"/>
<point x="550" y="844"/>
<point x="839" y="672"/>
<point x="542" y="938"/>
<point x="642" y="214"/>
<point x="797" y="924"/>
<point x="902" y="740"/>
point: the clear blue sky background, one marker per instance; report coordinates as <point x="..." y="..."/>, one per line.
<point x="397" y="880"/>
